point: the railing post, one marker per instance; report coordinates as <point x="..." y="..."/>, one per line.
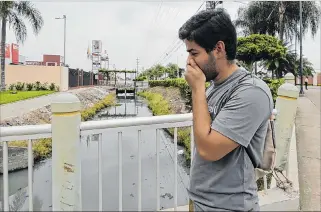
<point x="286" y="105"/>
<point x="66" y="172"/>
<point x="290" y="78"/>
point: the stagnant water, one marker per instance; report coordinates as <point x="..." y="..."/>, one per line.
<point x="18" y="181"/>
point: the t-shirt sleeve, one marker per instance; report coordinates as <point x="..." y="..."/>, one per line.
<point x="243" y="114"/>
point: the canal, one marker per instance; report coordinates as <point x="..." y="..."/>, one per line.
<point x="126" y="108"/>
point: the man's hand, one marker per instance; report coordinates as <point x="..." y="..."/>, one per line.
<point x="194" y="75"/>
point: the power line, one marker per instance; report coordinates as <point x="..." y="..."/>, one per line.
<point x="177" y="41"/>
<point x="137" y="62"/>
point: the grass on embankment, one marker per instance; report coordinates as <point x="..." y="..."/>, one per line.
<point x="159" y="106"/>
<point x="8" y="97"/>
<point x="42" y="148"/>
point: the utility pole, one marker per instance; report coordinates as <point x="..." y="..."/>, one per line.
<point x="177" y="68"/>
<point x="301" y="64"/>
<point x="137" y="62"/>
<point x="65" y="20"/>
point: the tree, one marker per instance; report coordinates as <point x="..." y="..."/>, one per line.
<point x="211" y="5"/>
<point x="278" y="17"/>
<point x="250" y="21"/>
<point x="289" y="64"/>
<point x="258" y="47"/>
<point x="13" y="13"/>
<point x="171" y="70"/>
<point x="158" y="71"/>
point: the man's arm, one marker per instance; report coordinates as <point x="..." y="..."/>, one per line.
<point x="235" y="124"/>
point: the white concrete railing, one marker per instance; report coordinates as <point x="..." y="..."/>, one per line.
<point x="66" y="129"/>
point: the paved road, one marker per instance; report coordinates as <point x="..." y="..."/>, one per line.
<point x="308" y="148"/>
<point x="314" y="95"/>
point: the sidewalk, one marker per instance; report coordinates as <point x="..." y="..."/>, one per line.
<point x="308" y="148"/>
<point x="19" y="108"/>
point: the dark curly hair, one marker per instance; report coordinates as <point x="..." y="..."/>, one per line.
<point x="208" y="27"/>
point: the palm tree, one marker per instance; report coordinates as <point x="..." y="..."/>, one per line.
<point x="250" y="21"/>
<point x="279" y="17"/>
<point x="289" y="64"/>
<point x="13" y="13"/>
<point x="211" y="5"/>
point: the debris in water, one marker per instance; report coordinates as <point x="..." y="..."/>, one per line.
<point x="167" y="195"/>
<point x="180" y="152"/>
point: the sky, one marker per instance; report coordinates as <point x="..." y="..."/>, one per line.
<point x="146" y="30"/>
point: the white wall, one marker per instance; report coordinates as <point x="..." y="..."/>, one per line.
<point x="64" y="78"/>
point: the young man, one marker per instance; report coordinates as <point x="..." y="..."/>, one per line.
<point x="229" y="144"/>
<point x="306" y="83"/>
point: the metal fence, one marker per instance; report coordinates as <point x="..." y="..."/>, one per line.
<point x="81" y="78"/>
<point x="73" y="78"/>
<point x="67" y="128"/>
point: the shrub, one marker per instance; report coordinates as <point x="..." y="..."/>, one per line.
<point x="141" y="78"/>
<point x="30" y="86"/>
<point x="274" y="85"/>
<point x="12" y="86"/>
<point x="52" y="86"/>
<point x="89" y="113"/>
<point x="20" y="86"/>
<point x="44" y="86"/>
<point x="37" y="86"/>
<point x="42" y="148"/>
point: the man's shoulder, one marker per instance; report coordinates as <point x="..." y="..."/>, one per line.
<point x="253" y="83"/>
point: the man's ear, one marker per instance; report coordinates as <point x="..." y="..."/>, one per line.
<point x="220" y="48"/>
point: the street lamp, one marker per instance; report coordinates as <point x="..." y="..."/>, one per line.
<point x="301" y="64"/>
<point x="64" y="17"/>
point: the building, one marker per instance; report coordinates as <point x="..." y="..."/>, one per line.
<point x="48" y="60"/>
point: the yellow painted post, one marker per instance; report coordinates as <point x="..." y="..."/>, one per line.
<point x="286" y="106"/>
<point x="66" y="172"/>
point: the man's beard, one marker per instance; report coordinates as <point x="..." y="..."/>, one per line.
<point x="210" y="70"/>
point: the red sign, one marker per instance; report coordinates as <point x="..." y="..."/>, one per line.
<point x="7" y="55"/>
<point x="15" y="53"/>
<point x="7" y="50"/>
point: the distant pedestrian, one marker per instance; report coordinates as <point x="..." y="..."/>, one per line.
<point x="306" y="83"/>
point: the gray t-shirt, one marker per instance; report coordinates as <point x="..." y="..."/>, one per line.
<point x="229" y="183"/>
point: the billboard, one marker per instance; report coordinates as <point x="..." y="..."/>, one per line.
<point x="15" y="53"/>
<point x="96" y="46"/>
